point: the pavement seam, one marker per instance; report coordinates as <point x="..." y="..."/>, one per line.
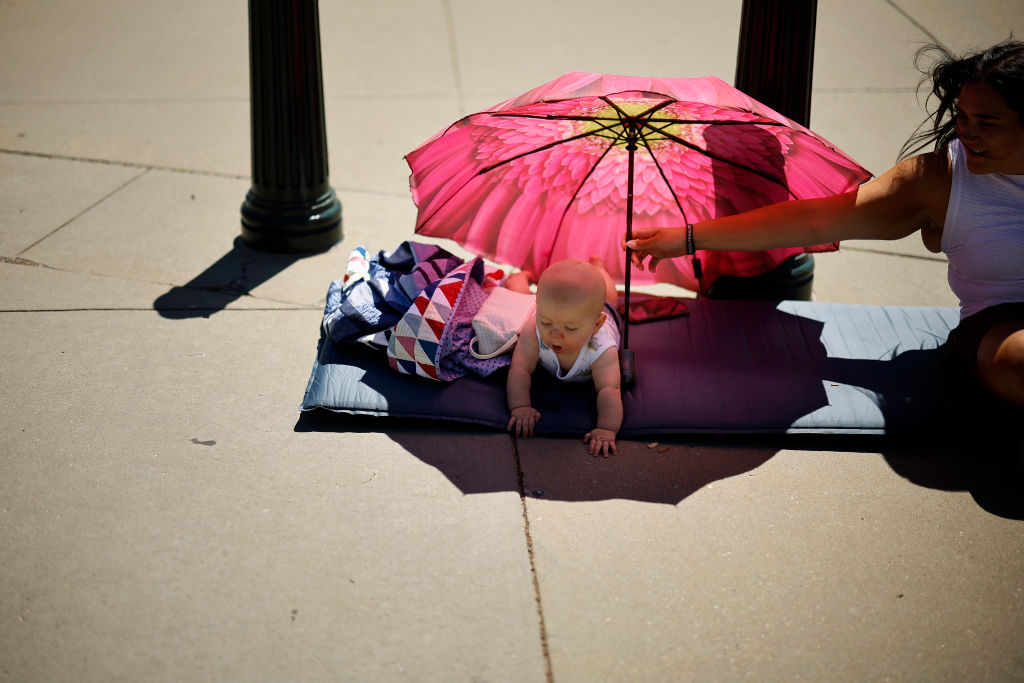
<point x="282" y="305"/>
<point x="453" y="53"/>
<point x="549" y="674"/>
<point x="854" y="89"/>
<point x="84" y="211"/>
<point x="126" y="164"/>
<point x="125" y="100"/>
<point x="867" y="250"/>
<point x="915" y="23"/>
<point x="190" y="171"/>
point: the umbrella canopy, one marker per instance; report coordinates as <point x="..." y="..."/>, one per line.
<point x="559" y="172"/>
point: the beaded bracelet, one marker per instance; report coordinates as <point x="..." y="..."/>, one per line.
<point x="691" y="249"/>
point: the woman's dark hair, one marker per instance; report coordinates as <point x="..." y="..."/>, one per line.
<point x="1000" y="66"/>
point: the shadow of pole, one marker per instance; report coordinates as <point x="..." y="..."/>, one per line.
<point x="290" y="211"/>
<point x="233" y="276"/>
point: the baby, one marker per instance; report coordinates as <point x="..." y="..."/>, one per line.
<point x="574" y="338"/>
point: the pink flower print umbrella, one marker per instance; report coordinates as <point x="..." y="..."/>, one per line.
<point x="565" y="170"/>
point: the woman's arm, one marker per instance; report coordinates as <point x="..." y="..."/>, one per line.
<point x="904" y="199"/>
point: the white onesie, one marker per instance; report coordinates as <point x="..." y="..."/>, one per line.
<point x="605" y="338"/>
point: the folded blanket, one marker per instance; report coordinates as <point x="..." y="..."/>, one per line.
<point x="417" y="304"/>
<point x="377" y="291"/>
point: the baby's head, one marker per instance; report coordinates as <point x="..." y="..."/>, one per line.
<point x="570" y="305"/>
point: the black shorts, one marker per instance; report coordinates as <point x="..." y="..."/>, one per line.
<point x="965" y="338"/>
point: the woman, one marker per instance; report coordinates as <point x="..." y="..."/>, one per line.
<point x="966" y="198"/>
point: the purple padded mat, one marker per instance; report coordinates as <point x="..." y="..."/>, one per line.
<point x="727" y="367"/>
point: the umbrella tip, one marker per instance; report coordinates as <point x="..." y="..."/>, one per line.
<point x="627" y="366"/>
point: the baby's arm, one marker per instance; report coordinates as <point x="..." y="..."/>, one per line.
<point x="520" y="379"/>
<point x="607" y="376"/>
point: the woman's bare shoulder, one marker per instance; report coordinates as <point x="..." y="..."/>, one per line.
<point x="908" y="197"/>
<point x="922" y="169"/>
<point x="919" y="180"/>
<point x="932" y="177"/>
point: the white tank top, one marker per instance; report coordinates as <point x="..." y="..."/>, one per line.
<point x="983" y="236"/>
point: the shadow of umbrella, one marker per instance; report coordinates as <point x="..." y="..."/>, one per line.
<point x="232" y="276"/>
<point x="560" y="469"/>
<point x="689" y="385"/>
<point x="474" y="459"/>
<point x="667" y="473"/>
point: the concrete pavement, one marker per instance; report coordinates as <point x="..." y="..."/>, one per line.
<point x="166" y="515"/>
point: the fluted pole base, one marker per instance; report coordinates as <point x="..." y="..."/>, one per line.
<point x="308" y="226"/>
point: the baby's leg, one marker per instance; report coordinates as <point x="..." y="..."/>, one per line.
<point x="611" y="295"/>
<point x="519" y="282"/>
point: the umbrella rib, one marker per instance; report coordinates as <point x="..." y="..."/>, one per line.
<point x="554" y="117"/>
<point x="588" y="133"/>
<point x="657" y="165"/>
<point x="725" y="160"/>
<point x="719" y="122"/>
<point x="647" y="112"/>
<point x="606" y="123"/>
<point x="581" y="117"/>
<point x="584" y="182"/>
<point x="595" y="133"/>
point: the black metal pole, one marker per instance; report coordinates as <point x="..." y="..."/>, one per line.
<point x="775" y="65"/>
<point x="775" y="59"/>
<point x="291" y="206"/>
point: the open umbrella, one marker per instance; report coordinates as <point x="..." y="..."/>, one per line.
<point x="566" y="169"/>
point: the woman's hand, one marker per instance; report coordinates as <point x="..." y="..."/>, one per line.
<point x="656" y="244"/>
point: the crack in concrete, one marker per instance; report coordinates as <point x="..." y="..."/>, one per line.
<point x="18" y="261"/>
<point x="549" y="674"/>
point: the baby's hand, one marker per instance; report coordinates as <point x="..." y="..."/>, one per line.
<point x="523" y="420"/>
<point x="601" y="441"/>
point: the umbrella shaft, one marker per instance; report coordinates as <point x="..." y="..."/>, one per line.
<point x="631" y="147"/>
